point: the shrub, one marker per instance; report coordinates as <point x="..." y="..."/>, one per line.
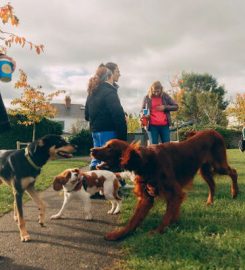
<point x="24" y="133"/>
<point x="231" y="136"/>
<point x="133" y="123"/>
<point x="84" y="141"/>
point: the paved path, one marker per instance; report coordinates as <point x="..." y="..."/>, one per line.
<point x="66" y="244"/>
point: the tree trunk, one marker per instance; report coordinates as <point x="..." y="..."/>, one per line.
<point x="34" y="132"/>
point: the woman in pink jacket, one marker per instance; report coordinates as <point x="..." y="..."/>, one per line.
<point x="158" y="105"/>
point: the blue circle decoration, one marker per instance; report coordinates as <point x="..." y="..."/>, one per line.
<point x="6" y="69"/>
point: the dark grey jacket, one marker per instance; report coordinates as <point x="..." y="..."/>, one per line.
<point x="167" y="101"/>
<point x="104" y="112"/>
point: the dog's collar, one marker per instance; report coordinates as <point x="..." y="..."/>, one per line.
<point x="27" y="155"/>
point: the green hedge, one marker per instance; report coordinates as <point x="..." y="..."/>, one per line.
<point x="231" y="136"/>
<point x="24" y="134"/>
<point x="84" y="142"/>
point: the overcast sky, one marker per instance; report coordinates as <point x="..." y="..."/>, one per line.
<point x="148" y="39"/>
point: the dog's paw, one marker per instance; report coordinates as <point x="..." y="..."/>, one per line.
<point x="116" y="212"/>
<point x="110" y="212"/>
<point x="152" y="233"/>
<point x="209" y="202"/>
<point x="55" y="217"/>
<point x="88" y="217"/>
<point x="25" y="238"/>
<point x="234" y="193"/>
<point x="15" y="218"/>
<point x="158" y="230"/>
<point x="112" y="236"/>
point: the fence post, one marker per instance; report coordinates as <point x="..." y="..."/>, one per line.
<point x="18" y="145"/>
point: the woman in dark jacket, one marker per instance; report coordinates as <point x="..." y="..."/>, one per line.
<point x="157" y="104"/>
<point x="103" y="110"/>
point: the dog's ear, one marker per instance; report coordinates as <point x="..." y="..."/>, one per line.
<point x="58" y="182"/>
<point x="135" y="144"/>
<point x="132" y="160"/>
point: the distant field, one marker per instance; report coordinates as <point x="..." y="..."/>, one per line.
<point x="44" y="180"/>
<point x="205" y="237"/>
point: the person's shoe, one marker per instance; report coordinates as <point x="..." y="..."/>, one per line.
<point x="97" y="195"/>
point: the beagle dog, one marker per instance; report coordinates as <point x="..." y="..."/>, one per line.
<point x="76" y="183"/>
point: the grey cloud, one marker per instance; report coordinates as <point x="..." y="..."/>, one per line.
<point x="150" y="40"/>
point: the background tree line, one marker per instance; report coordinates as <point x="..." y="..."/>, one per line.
<point x="202" y="100"/>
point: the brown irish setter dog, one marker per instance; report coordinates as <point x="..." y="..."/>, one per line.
<point x="165" y="170"/>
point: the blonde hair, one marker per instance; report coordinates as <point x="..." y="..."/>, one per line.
<point x="155" y="85"/>
<point x="102" y="74"/>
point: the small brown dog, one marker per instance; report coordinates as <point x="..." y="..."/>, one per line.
<point x="165" y="170"/>
<point x="77" y="183"/>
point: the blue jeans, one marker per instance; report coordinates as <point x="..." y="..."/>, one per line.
<point x="155" y="131"/>
<point x="100" y="139"/>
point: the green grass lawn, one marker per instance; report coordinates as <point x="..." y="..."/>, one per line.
<point x="44" y="180"/>
<point x="205" y="237"/>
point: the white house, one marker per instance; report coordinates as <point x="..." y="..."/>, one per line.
<point x="71" y="116"/>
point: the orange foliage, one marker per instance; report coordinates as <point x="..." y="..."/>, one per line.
<point x="238" y="108"/>
<point x="178" y="94"/>
<point x="7" y="16"/>
<point x="33" y="103"/>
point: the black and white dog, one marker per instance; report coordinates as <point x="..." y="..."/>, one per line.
<point x="19" y="169"/>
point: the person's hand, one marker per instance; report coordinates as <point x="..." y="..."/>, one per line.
<point x="160" y="108"/>
<point x="143" y="115"/>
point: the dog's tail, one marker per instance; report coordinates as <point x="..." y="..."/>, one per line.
<point x="120" y="181"/>
<point x="122" y="176"/>
<point x="116" y="186"/>
<point x="125" y="175"/>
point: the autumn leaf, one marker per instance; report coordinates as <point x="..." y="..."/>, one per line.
<point x="7" y="16"/>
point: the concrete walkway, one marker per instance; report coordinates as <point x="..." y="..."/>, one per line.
<point x="65" y="244"/>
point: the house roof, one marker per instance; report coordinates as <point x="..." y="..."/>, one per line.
<point x="73" y="111"/>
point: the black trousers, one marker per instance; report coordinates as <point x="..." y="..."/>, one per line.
<point x="4" y="121"/>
